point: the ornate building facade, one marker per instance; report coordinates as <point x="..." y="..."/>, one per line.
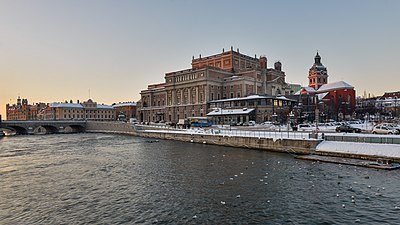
<point x="22" y="110"/>
<point x="88" y="110"/>
<point x="226" y="75"/>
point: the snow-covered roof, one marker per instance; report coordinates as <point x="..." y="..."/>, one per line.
<point x="223" y="112"/>
<point x="125" y="104"/>
<point x="335" y="86"/>
<point x="65" y="105"/>
<point x="283" y="98"/>
<point x="76" y="105"/>
<point x="309" y="89"/>
<point x="305" y="89"/>
<point x="252" y="97"/>
<point x="101" y="106"/>
<point x="322" y="96"/>
<point x="242" y="98"/>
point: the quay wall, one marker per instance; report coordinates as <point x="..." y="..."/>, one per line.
<point x="270" y="144"/>
<point x="110" y="127"/>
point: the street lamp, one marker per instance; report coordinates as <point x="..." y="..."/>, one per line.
<point x="291" y="116"/>
<point x="275" y="117"/>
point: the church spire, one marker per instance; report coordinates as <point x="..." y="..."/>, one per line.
<point x="317" y="59"/>
<point x="318" y="74"/>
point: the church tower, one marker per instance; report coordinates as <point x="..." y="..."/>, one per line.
<point x="318" y="74"/>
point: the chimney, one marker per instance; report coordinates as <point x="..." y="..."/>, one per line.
<point x="263" y="62"/>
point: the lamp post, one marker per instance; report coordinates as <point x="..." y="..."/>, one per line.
<point x="316" y="118"/>
<point x="291" y="116"/>
<point x="317" y="103"/>
<point x="275" y="118"/>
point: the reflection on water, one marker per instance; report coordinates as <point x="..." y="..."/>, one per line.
<point x="111" y="179"/>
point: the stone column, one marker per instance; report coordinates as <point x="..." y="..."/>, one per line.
<point x="197" y="94"/>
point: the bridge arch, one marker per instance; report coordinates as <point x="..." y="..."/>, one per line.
<point x="74" y="129"/>
<point x="17" y="129"/>
<point x="45" y="129"/>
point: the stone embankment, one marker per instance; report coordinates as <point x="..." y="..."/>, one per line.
<point x="270" y="144"/>
<point x="292" y="146"/>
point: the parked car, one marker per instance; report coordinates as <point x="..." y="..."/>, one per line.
<point x="391" y="126"/>
<point x="348" y="129"/>
<point x="380" y="129"/>
<point x="252" y="123"/>
<point x="305" y="127"/>
<point x="266" y="123"/>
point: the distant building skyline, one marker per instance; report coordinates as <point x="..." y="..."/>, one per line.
<point x="58" y="50"/>
<point x="86" y="110"/>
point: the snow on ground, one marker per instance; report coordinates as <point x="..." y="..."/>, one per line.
<point x="381" y="150"/>
<point x="372" y="149"/>
<point x="239" y="133"/>
<point x="271" y="132"/>
<point x="364" y="135"/>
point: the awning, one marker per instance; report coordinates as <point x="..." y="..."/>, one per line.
<point x="229" y="112"/>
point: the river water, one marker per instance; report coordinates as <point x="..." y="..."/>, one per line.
<point x="116" y="179"/>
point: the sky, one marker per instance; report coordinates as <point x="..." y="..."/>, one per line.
<point x="111" y="50"/>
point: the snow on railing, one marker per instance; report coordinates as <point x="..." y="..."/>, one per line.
<point x="230" y="132"/>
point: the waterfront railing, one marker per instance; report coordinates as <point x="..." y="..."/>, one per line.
<point x="364" y="139"/>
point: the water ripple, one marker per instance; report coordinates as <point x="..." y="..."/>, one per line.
<point x="107" y="179"/>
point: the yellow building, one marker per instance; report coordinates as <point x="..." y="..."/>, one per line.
<point x="88" y="110"/>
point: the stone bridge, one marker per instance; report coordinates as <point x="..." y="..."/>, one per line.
<point x="43" y="126"/>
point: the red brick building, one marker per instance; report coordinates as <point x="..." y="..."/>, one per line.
<point x="23" y="111"/>
<point x="125" y="110"/>
<point x="335" y="100"/>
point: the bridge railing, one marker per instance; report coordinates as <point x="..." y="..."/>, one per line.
<point x="365" y="139"/>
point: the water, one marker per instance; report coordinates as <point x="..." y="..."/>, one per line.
<point x="112" y="179"/>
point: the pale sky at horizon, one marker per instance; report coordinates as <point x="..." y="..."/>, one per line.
<point x="58" y="50"/>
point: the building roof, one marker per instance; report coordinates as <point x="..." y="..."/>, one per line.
<point x="253" y="97"/>
<point x="223" y="112"/>
<point x="125" y="104"/>
<point x="305" y="89"/>
<point x="65" y="105"/>
<point x="322" y="95"/>
<point x="335" y="86"/>
<point x="76" y="105"/>
<point x="101" y="106"/>
<point x="395" y="94"/>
